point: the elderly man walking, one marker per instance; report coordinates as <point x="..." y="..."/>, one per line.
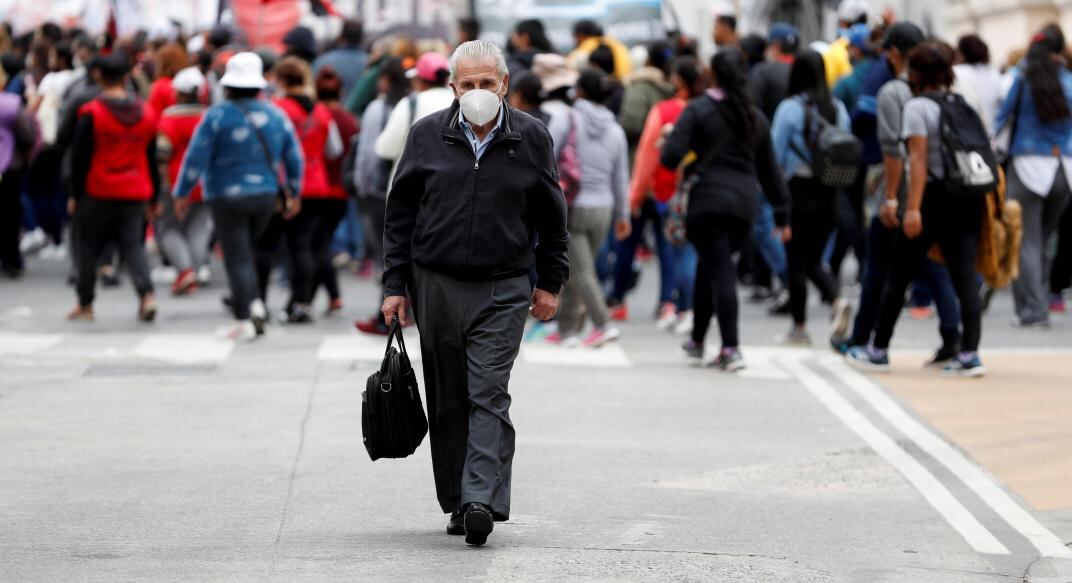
<point x="475" y="204"/>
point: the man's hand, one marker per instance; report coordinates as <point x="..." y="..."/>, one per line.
<point x="395" y="306"/>
<point x="153" y="211"/>
<point x="72" y="206"/>
<point x="544" y="305"/>
<point x="291" y="207"/>
<point x="622" y="229"/>
<point x="913" y="224"/>
<point x="181" y="206"/>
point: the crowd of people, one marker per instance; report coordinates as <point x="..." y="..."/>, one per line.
<point x="764" y="167"/>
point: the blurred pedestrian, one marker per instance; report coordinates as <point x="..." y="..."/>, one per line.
<point x="240" y="153"/>
<point x="184" y="240"/>
<point x="1040" y="162"/>
<point x="170" y="59"/>
<point x="731" y="141"/>
<point x="347" y="58"/>
<point x="430" y="94"/>
<point x="601" y="202"/>
<point x="114" y="184"/>
<point x="17" y="134"/>
<point x="527" y="40"/>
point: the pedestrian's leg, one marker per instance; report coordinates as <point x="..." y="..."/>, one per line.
<point x="665" y="252"/>
<point x="299" y="241"/>
<point x="595" y="224"/>
<point x="493" y="342"/>
<point x="817" y="271"/>
<point x="796" y="254"/>
<point x="198" y="229"/>
<point x="570" y="302"/>
<point x="1061" y="273"/>
<point x="875" y="270"/>
<point x="440" y="305"/>
<point x="703" y="306"/>
<point x="625" y="252"/>
<point x="334" y="212"/>
<point x="907" y="262"/>
<point x="1028" y="290"/>
<point x="131" y="241"/>
<point x="91" y="229"/>
<point x="266" y="251"/>
<point x="713" y="242"/>
<point x="945" y="301"/>
<point x="171" y="235"/>
<point x="959" y="252"/>
<point x="770" y="249"/>
<point x="685" y="265"/>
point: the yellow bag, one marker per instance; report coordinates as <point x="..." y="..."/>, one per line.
<point x="1000" y="238"/>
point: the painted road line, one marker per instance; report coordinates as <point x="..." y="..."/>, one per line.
<point x="608" y="356"/>
<point x="967" y="471"/>
<point x="939" y="497"/>
<point x="762" y="364"/>
<point x="362" y="347"/>
<point x="184" y="348"/>
<point x="24" y="344"/>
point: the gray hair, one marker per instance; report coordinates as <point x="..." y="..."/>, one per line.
<point x="478" y="50"/>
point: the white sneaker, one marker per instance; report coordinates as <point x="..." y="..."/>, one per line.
<point x="241" y="331"/>
<point x="164" y="275"/>
<point x="204" y="275"/>
<point x="684" y="324"/>
<point x="667" y="317"/>
<point x="842" y="318"/>
<point x="33" y="242"/>
<point x="598" y="337"/>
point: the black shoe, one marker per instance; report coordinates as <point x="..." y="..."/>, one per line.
<point x="781" y="307"/>
<point x="478" y="524"/>
<point x="456" y="525"/>
<point x="299" y="314"/>
<point x="942" y="357"/>
<point x="761" y="294"/>
<point x="227" y="302"/>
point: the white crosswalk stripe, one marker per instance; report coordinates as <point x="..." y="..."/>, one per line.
<point x="18" y="344"/>
<point x="184" y="348"/>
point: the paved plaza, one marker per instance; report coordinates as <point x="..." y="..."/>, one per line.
<point x="158" y="453"/>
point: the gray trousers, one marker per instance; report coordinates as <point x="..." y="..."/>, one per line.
<point x="588" y="229"/>
<point x="470" y="336"/>
<point x="185" y="241"/>
<point x="1042" y="215"/>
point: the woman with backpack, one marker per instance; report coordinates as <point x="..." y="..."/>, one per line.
<point x="1040" y="158"/>
<point x="322" y="206"/>
<point x="601" y="201"/>
<point x="936" y="210"/>
<point x="371" y="172"/>
<point x="731" y="141"/>
<point x="652" y="179"/>
<point x="795" y="130"/>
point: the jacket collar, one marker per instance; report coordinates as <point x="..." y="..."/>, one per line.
<point x="452" y="128"/>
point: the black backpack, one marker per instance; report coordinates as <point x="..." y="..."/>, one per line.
<point x="971" y="168"/>
<point x="392" y="416"/>
<point x="836" y="155"/>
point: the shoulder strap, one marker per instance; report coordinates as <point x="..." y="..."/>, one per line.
<point x="264" y="146"/>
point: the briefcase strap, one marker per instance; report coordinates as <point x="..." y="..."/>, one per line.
<point x="396" y="331"/>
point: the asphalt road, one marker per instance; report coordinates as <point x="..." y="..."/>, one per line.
<point x="157" y="453"/>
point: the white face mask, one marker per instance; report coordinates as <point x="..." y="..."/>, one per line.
<point x="479" y="106"/>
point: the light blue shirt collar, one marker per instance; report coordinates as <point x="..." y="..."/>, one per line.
<point x="480" y="146"/>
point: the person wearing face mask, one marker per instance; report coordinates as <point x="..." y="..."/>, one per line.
<point x="474" y="190"/>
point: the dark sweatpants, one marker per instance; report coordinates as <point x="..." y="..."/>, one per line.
<point x="716" y="238"/>
<point x="101" y="221"/>
<point x="470" y="336"/>
<point x="240" y="222"/>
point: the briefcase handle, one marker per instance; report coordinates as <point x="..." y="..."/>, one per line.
<point x="396" y="331"/>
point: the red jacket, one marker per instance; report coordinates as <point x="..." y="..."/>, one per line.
<point x="177" y="126"/>
<point x="347" y="124"/>
<point x="649" y="176"/>
<point x="119" y="168"/>
<point x="312" y="130"/>
<point x="162" y="95"/>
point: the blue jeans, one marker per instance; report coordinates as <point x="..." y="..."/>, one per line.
<point x="626" y="252"/>
<point x="349" y="236"/>
<point x="685" y="259"/>
<point x="770" y="249"/>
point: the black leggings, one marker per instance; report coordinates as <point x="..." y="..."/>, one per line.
<point x="329" y="212"/>
<point x="1061" y="272"/>
<point x="266" y="252"/>
<point x="101" y="221"/>
<point x="716" y="238"/>
<point x="954" y="225"/>
<point x="813" y="219"/>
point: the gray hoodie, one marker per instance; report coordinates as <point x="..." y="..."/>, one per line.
<point x="604" y="159"/>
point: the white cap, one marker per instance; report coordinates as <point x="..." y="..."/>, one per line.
<point x="244" y="71"/>
<point x="188" y="80"/>
<point x="851" y="10"/>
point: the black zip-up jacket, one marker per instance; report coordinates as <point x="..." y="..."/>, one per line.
<point x="476" y="220"/>
<point x="728" y="185"/>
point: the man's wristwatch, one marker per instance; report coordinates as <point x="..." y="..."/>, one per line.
<point x="892" y="203"/>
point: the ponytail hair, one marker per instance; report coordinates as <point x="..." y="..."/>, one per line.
<point x="1041" y="72"/>
<point x="728" y="70"/>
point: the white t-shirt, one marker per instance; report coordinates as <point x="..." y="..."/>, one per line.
<point x="392" y="139"/>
